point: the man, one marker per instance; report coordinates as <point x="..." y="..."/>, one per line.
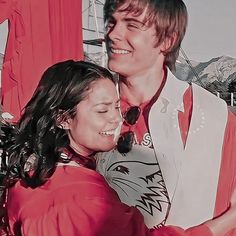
<point x="181" y="169"/>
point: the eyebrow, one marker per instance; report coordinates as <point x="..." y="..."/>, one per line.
<point x="106" y="103"/>
<point x="134" y="20"/>
<point x="112" y="18"/>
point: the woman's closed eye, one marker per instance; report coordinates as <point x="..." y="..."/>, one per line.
<point x="102" y="111"/>
<point x="102" y="108"/>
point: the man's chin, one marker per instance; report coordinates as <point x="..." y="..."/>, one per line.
<point x="114" y="67"/>
<point x="111" y="66"/>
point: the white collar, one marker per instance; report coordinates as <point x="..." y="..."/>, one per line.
<point x="173" y="91"/>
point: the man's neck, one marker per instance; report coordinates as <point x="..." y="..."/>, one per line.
<point x="141" y="88"/>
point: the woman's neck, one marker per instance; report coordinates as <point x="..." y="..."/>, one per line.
<point x="77" y="147"/>
<point x="80" y="150"/>
<point x="86" y="161"/>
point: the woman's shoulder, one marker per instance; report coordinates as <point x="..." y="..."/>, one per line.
<point x="72" y="177"/>
<point x="66" y="184"/>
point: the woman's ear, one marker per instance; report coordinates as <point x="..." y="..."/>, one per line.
<point x="63" y="120"/>
<point x="65" y="124"/>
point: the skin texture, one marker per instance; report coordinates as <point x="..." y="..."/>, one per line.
<point x="130" y="40"/>
<point x="88" y="135"/>
<point x="126" y="36"/>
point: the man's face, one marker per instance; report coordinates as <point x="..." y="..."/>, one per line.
<point x="131" y="44"/>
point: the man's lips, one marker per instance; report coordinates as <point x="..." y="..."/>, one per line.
<point x="119" y="51"/>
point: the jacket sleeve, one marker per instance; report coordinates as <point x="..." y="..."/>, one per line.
<point x="202" y="230"/>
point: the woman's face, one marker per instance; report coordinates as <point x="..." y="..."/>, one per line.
<point x="97" y="119"/>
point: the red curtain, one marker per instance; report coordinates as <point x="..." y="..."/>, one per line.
<point x="41" y="33"/>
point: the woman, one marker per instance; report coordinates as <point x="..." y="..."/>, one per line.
<point x="73" y="113"/>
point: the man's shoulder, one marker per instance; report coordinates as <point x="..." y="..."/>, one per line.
<point x="205" y="96"/>
<point x="232" y="120"/>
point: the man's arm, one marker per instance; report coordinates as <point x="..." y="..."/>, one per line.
<point x="224" y="223"/>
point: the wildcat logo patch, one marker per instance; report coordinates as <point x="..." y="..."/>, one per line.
<point x="137" y="179"/>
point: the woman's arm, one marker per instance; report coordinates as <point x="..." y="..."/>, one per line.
<point x="226" y="222"/>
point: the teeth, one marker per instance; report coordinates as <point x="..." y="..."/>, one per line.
<point x="119" y="51"/>
<point x="108" y="133"/>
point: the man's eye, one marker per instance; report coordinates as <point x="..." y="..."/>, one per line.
<point x="133" y="26"/>
<point x="136" y="25"/>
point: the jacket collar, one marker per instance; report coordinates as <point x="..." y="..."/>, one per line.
<point x="173" y="91"/>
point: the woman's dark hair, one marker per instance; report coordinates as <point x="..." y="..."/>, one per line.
<point x="40" y="138"/>
<point x="62" y="87"/>
<point x="31" y="149"/>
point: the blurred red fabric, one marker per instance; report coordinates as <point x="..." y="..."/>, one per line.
<point x="41" y="33"/>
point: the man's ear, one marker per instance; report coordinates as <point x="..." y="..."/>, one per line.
<point x="168" y="43"/>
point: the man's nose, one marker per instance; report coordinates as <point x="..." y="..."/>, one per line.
<point x="116" y="32"/>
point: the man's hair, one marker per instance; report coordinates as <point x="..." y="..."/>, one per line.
<point x="169" y="17"/>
